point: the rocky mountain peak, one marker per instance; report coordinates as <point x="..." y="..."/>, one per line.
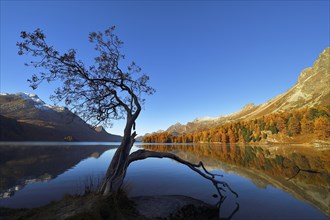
<point x="25" y="117"/>
<point x="321" y="67"/>
<point x="312" y="89"/>
<point x="305" y="74"/>
<point x="177" y="127"/>
<point x="31" y="100"/>
<point x="248" y="106"/>
<point x="28" y="96"/>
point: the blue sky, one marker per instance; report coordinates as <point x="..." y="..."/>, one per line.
<point x="205" y="58"/>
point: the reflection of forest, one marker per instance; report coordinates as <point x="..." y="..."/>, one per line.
<point x="308" y="166"/>
<point x="20" y="165"/>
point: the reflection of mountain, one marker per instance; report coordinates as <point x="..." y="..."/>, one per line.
<point x="20" y="165"/>
<point x="264" y="167"/>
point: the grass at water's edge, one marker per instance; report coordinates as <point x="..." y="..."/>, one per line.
<point x="92" y="206"/>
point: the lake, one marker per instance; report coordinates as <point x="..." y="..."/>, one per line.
<point x="278" y="182"/>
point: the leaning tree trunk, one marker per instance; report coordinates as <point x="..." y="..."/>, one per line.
<point x="122" y="158"/>
<point x="117" y="169"/>
<point x="116" y="172"/>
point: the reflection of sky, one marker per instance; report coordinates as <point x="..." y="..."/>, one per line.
<point x="155" y="176"/>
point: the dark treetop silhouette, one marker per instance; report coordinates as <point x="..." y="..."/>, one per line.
<point x="99" y="94"/>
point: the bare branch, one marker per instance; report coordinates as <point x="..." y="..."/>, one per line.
<point x="98" y="93"/>
<point x="143" y="154"/>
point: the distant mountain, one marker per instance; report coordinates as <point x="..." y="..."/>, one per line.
<point x="25" y="117"/>
<point x="208" y="122"/>
<point x="312" y="89"/>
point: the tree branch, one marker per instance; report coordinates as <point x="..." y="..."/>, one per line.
<point x="99" y="92"/>
<point x="143" y="154"/>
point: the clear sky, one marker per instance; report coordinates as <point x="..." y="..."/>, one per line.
<point x="205" y="58"/>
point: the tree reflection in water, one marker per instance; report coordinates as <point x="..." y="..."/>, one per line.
<point x="221" y="201"/>
<point x="199" y="168"/>
<point x="301" y="171"/>
<point x="275" y="161"/>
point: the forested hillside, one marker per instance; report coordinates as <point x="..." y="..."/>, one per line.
<point x="297" y="126"/>
<point x="300" y="115"/>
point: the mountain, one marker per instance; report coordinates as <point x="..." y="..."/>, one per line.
<point x="208" y="122"/>
<point x="177" y="128"/>
<point x="25" y="117"/>
<point x="312" y="89"/>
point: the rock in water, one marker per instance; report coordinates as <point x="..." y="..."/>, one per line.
<point x="169" y="205"/>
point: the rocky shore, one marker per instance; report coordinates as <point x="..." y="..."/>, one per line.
<point x="117" y="206"/>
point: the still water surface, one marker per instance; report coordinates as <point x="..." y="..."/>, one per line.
<point x="272" y="182"/>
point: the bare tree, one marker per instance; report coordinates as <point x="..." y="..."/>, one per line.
<point x="99" y="94"/>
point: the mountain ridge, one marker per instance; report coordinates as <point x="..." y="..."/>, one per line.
<point x="310" y="90"/>
<point x="25" y="117"/>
